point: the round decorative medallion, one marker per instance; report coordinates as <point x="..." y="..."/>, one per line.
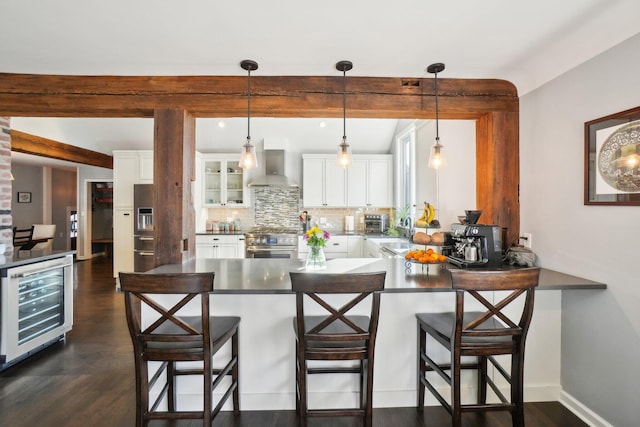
<point x="619" y="158"/>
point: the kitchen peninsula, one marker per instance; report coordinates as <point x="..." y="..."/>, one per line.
<point x="259" y="291"/>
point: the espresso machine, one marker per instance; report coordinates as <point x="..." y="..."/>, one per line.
<point x="476" y="245"/>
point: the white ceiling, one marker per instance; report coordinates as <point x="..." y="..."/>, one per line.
<point x="527" y="43"/>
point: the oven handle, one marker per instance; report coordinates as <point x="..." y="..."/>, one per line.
<point x="257" y="250"/>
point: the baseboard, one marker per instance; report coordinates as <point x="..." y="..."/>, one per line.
<point x="381" y="398"/>
<point x="582" y="411"/>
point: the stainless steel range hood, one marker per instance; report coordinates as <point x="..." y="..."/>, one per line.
<point x="274" y="168"/>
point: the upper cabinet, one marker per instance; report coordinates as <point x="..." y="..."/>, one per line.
<point x="368" y="182"/>
<point x="324" y="182"/>
<point x="130" y="167"/>
<point x="224" y="182"/>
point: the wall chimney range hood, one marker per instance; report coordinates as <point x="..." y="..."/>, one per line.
<point x="274" y="169"/>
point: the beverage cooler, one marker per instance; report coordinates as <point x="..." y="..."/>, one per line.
<point x="37" y="307"/>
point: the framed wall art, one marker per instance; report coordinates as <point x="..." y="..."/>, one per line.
<point x="24" y="197"/>
<point x="612" y="159"/>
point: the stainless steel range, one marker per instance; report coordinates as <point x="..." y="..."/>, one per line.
<point x="272" y="242"/>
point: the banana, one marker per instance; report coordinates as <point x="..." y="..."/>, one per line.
<point x="428" y="213"/>
<point x="424" y="214"/>
<point x="421" y="223"/>
<point x="432" y="213"/>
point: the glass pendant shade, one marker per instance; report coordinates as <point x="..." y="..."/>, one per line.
<point x="344" y="154"/>
<point x="437" y="158"/>
<point x="248" y="159"/>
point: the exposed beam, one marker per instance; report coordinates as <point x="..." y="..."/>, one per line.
<point x="494" y="104"/>
<point x="271" y="96"/>
<point x="38" y="146"/>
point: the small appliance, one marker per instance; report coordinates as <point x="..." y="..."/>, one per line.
<point x="376" y="223"/>
<point x="476" y="245"/>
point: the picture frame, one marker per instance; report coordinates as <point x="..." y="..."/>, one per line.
<point x="612" y="159"/>
<point x="24" y="197"/>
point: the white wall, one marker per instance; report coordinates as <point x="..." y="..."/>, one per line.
<point x="600" y="329"/>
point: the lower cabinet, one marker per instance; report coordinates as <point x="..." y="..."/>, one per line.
<point x="122" y="240"/>
<point x="219" y="246"/>
<point x="336" y="247"/>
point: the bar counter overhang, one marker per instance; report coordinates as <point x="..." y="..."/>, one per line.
<point x="259" y="290"/>
<point x="271" y="276"/>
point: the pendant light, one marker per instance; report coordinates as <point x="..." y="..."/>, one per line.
<point x="436" y="157"/>
<point x="344" y="150"/>
<point x="248" y="158"/>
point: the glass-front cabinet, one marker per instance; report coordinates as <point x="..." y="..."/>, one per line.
<point x="224" y="181"/>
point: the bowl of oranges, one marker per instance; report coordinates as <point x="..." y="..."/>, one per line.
<point x="425" y="256"/>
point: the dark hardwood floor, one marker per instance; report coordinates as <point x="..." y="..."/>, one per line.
<point x="88" y="380"/>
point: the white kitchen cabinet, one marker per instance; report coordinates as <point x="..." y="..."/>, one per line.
<point x="145" y="173"/>
<point x="220" y="246"/>
<point x="224" y="182"/>
<point x="336" y="247"/>
<point x="129" y="167"/>
<point x="324" y="182"/>
<point x="354" y="246"/>
<point x="122" y="240"/>
<point x="370" y="181"/>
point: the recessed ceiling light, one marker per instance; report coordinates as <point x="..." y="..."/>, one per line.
<point x="221" y="124"/>
<point x="323" y="124"/>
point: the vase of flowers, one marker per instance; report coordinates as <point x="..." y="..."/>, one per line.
<point x="316" y="239"/>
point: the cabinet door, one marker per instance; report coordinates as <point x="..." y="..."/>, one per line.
<point x="234" y="187"/>
<point x="313" y="182"/>
<point x="227" y="250"/>
<point x="354" y="247"/>
<point x="146" y="167"/>
<point x="380" y="183"/>
<point x="205" y="251"/>
<point x="125" y="174"/>
<point x="357" y="187"/>
<point x="213" y="182"/>
<point x="335" y="190"/>
<point x="122" y="241"/>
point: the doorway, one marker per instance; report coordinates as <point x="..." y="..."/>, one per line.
<point x="98" y="221"/>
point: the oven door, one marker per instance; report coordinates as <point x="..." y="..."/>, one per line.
<point x="287" y="252"/>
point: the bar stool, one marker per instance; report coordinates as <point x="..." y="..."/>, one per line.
<point x="336" y="336"/>
<point x="483" y="334"/>
<point x="174" y="338"/>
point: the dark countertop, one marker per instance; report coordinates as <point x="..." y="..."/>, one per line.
<point x="271" y="276"/>
<point x="18" y="258"/>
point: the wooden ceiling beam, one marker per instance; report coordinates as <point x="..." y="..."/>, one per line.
<point x="271" y="96"/>
<point x="38" y="146"/>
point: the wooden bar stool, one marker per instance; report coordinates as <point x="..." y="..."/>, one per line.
<point x="174" y="338"/>
<point x="483" y="334"/>
<point x="336" y="336"/>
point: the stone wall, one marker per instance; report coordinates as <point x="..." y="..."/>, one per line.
<point x="6" y="193"/>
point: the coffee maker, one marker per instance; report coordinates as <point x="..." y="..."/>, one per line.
<point x="476" y="245"/>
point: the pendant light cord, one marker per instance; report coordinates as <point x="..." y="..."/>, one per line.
<point x="437" y="132"/>
<point x="344" y="104"/>
<point x="249" y="104"/>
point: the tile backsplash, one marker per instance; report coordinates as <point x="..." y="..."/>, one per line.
<point x="281" y="207"/>
<point x="276" y="207"/>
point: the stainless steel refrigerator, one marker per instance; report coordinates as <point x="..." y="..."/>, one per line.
<point x="143" y="252"/>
